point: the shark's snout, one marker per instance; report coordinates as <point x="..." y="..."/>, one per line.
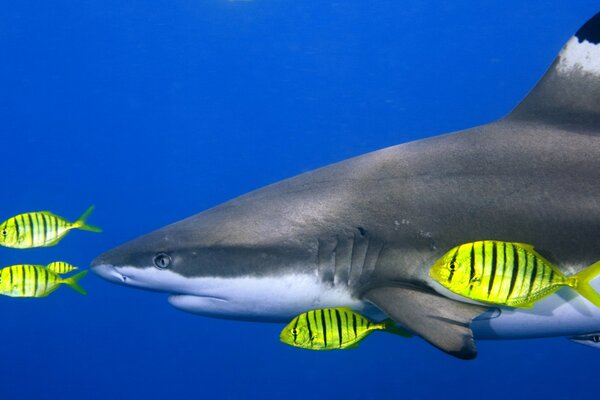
<point x="102" y="267"/>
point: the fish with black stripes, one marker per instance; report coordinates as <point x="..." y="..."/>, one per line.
<point x="333" y="329"/>
<point x="40" y="229"/>
<point x="61" y="267"/>
<point x="505" y="273"/>
<point x="26" y="280"/>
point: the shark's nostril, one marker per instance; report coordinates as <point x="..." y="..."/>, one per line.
<point x="96" y="262"/>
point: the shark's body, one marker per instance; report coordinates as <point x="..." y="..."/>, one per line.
<point x="363" y="233"/>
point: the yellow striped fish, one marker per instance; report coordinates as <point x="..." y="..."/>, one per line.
<point x="511" y="274"/>
<point x="40" y="229"/>
<point x="61" y="267"/>
<point x="332" y="329"/>
<point x="25" y="280"/>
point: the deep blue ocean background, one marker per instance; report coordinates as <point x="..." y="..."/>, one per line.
<point x="156" y="110"/>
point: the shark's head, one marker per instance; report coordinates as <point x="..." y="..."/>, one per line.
<point x="141" y="263"/>
<point x="182" y="258"/>
<point x="213" y="266"/>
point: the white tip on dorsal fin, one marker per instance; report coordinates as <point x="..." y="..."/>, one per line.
<point x="579" y="56"/>
<point x="569" y="92"/>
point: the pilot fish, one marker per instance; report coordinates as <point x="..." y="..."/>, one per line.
<point x="26" y="280"/>
<point x="505" y="273"/>
<point x="40" y="229"/>
<point x="333" y="329"/>
<point x="61" y="267"/>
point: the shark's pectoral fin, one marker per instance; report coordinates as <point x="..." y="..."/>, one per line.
<point x="442" y="322"/>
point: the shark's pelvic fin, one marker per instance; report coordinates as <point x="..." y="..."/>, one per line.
<point x="442" y="322"/>
<point x="568" y="95"/>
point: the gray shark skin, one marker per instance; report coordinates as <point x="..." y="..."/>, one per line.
<point x="364" y="232"/>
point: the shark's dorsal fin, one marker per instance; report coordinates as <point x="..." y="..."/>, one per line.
<point x="568" y="95"/>
<point x="442" y="322"/>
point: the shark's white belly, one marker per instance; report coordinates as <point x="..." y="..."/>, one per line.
<point x="564" y="313"/>
<point x="279" y="299"/>
<point x="263" y="299"/>
<point x="276" y="299"/>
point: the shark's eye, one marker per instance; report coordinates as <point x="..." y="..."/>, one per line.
<point x="162" y="260"/>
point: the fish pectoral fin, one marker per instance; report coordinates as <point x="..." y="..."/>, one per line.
<point x="351" y="346"/>
<point x="443" y="322"/>
<point x="54" y="242"/>
<point x="528" y="306"/>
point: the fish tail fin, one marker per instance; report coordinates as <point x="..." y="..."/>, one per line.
<point x="583" y="286"/>
<point x="391" y="327"/>
<point x="80" y="223"/>
<point x="72" y="282"/>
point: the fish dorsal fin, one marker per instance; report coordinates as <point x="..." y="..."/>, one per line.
<point x="530" y="248"/>
<point x="526" y="246"/>
<point x="568" y="94"/>
<point x="442" y="322"/>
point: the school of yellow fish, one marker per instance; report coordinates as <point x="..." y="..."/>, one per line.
<point x="39" y="229"/>
<point x="488" y="271"/>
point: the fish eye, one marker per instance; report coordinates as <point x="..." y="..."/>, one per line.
<point x="4" y="233"/>
<point x="162" y="260"/>
<point x="452" y="266"/>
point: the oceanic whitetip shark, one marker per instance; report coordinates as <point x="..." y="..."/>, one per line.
<point x="363" y="233"/>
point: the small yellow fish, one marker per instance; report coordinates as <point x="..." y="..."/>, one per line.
<point x="40" y="229"/>
<point x="511" y="274"/>
<point x="333" y="329"/>
<point x="25" y="280"/>
<point x="61" y="267"/>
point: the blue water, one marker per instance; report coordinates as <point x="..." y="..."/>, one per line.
<point x="155" y="110"/>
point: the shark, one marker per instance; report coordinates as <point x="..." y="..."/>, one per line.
<point x="363" y="233"/>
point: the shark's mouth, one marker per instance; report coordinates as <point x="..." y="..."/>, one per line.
<point x="110" y="273"/>
<point x="199" y="296"/>
<point x="151" y="279"/>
